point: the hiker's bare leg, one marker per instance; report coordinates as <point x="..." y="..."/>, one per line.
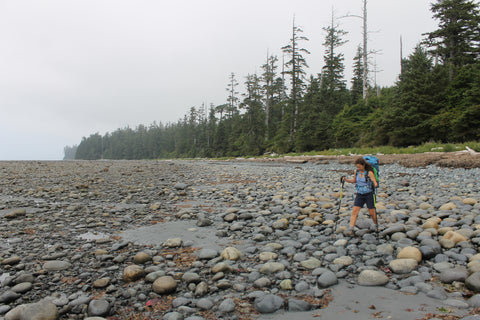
<point x="353" y="218"/>
<point x="373" y="214"/>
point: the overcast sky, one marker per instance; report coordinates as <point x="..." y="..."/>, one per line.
<point x="70" y="68"/>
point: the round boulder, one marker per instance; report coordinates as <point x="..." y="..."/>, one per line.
<point x="473" y="282"/>
<point x="372" y="278"/>
<point x="474" y="266"/>
<point x="311" y="263"/>
<point x="141" y="258"/>
<point x="173" y="243"/>
<point x="231" y="253"/>
<point x="272" y="267"/>
<point x="448" y="206"/>
<point x="454" y="236"/>
<point x="344" y="261"/>
<point x="56" y="265"/>
<point x="281" y="224"/>
<point x="402" y="266"/>
<point x="432" y="223"/>
<point x="454" y="274"/>
<point x="227" y="306"/>
<point x="268" y="303"/>
<point x="40" y="310"/>
<point x="164" y="285"/>
<point x="470" y="201"/>
<point x="410" y="253"/>
<point x="327" y="279"/>
<point x="98" y="308"/>
<point x="265" y="256"/>
<point x="221" y="267"/>
<point x="133" y="273"/>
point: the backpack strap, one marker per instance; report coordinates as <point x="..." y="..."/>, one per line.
<point x="368" y="180"/>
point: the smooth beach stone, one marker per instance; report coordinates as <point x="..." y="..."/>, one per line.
<point x="204" y="304"/>
<point x="272" y="267"/>
<point x="227" y="306"/>
<point x="311" y="263"/>
<point x="222" y="267"/>
<point x="98" y="307"/>
<point x="454" y="274"/>
<point x="173" y="243"/>
<point x="265" y="256"/>
<point x="207" y="254"/>
<point x="56" y="265"/>
<point x="189" y="277"/>
<point x="327" y="279"/>
<point x="473" y="282"/>
<point x="454" y="236"/>
<point x="344" y="261"/>
<point x="286" y="284"/>
<point x="231" y="253"/>
<point x="11" y="260"/>
<point x="295" y="305"/>
<point x="42" y="310"/>
<point x="402" y="266"/>
<point x="268" y="303"/>
<point x="410" y="253"/>
<point x="133" y="273"/>
<point x="22" y="287"/>
<point x="141" y="258"/>
<point x="164" y="285"/>
<point x="372" y="278"/>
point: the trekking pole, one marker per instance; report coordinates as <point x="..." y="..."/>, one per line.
<point x="339" y="203"/>
<point x="375" y="207"/>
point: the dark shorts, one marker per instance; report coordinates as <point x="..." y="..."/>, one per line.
<point x="361" y="199"/>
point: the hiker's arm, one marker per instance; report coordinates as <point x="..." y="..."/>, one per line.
<point x="353" y="180"/>
<point x="372" y="177"/>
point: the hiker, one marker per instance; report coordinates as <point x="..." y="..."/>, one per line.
<point x="364" y="178"/>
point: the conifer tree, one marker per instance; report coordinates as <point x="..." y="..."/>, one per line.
<point x="296" y="71"/>
<point x="333" y="84"/>
<point x="357" y="89"/>
<point x="457" y="40"/>
<point x="333" y="70"/>
<point x="268" y="79"/>
<point x="232" y="99"/>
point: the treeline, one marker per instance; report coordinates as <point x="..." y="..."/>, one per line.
<point x="436" y="97"/>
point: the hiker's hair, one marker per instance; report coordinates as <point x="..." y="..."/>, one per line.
<point x="363" y="162"/>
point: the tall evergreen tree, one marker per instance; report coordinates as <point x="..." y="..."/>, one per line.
<point x="253" y="125"/>
<point x="333" y="69"/>
<point x="333" y="85"/>
<point x="296" y="71"/>
<point x="232" y="99"/>
<point x="268" y="78"/>
<point x="457" y="40"/>
<point x="357" y="81"/>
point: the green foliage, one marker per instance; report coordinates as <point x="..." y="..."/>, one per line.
<point x="428" y="103"/>
<point x="356" y="91"/>
<point x="457" y="39"/>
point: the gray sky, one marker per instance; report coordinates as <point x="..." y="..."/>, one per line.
<point x="70" y="68"/>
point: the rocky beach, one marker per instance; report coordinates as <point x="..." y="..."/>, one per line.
<point x="239" y="240"/>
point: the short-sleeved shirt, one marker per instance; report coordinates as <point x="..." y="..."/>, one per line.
<point x="364" y="185"/>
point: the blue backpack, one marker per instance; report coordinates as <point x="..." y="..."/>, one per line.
<point x="373" y="161"/>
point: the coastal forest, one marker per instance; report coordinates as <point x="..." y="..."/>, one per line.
<point x="284" y="108"/>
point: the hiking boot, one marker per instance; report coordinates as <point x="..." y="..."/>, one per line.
<point x="350" y="232"/>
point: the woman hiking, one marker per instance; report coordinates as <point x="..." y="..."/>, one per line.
<point x="364" y="178"/>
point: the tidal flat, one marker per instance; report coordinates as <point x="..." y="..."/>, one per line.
<point x="206" y="239"/>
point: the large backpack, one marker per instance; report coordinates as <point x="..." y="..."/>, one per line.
<point x="373" y="161"/>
